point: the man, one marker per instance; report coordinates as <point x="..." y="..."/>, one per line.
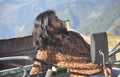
<point x="65" y="48"/>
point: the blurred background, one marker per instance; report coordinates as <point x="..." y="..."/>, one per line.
<point x="85" y="16"/>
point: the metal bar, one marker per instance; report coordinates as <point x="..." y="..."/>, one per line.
<point x="44" y="62"/>
<point x="114" y="52"/>
<point x="14" y="70"/>
<point x="20" y="68"/>
<point x="16" y="58"/>
<point x="115" y="47"/>
<point x="103" y="57"/>
<point x="26" y="58"/>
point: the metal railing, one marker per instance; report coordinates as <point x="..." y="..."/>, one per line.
<point x="23" y="70"/>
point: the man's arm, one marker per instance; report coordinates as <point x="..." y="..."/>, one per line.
<point x="37" y="65"/>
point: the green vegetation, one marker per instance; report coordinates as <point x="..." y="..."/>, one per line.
<point x="105" y="21"/>
<point x="113" y="40"/>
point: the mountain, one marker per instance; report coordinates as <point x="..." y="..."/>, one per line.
<point x="115" y="29"/>
<point x="88" y="17"/>
<point x="106" y="21"/>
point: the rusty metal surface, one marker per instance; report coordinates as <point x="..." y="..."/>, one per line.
<point x="14" y="47"/>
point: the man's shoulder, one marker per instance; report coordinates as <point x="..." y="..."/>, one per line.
<point x="74" y="33"/>
<point x="81" y="36"/>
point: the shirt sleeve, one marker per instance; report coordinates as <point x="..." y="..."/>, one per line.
<point x="41" y="54"/>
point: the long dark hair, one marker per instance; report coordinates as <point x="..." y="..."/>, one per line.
<point x="41" y="36"/>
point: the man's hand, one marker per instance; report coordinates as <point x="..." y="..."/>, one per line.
<point x="108" y="72"/>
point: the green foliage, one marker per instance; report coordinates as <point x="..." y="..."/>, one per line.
<point x="105" y="21"/>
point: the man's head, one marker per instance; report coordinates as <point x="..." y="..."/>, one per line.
<point x="55" y="25"/>
<point x="47" y="25"/>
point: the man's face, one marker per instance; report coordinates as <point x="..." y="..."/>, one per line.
<point x="57" y="25"/>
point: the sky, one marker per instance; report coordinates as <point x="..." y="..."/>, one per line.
<point x="17" y="15"/>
